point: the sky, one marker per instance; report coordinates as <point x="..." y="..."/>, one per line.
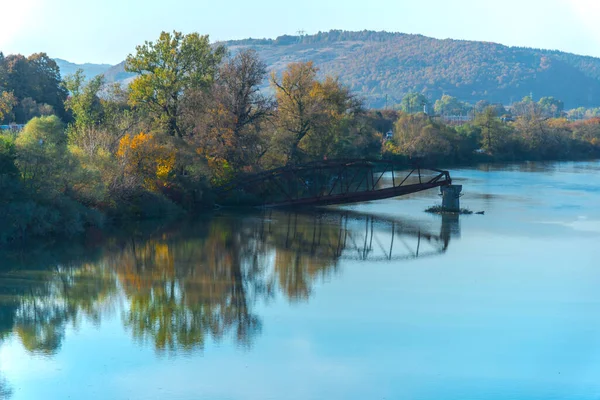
<point x="106" y="31"/>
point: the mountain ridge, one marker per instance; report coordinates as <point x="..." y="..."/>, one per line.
<point x="381" y="67"/>
<point x="89" y="69"/>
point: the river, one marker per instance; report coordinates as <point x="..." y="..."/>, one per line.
<point x="371" y="301"/>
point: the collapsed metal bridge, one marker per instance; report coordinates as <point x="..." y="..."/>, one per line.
<point x="330" y="182"/>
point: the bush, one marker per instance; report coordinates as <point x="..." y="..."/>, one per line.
<point x="26" y="218"/>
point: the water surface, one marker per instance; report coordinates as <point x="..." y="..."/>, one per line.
<point x="376" y="300"/>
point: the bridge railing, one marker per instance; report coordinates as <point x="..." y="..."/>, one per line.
<point x="331" y="182"/>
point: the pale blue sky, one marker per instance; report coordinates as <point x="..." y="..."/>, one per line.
<point x="107" y="30"/>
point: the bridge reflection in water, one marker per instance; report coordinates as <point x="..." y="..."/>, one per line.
<point x="348" y="235"/>
<point x="177" y="286"/>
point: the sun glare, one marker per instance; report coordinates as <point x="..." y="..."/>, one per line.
<point x="17" y="16"/>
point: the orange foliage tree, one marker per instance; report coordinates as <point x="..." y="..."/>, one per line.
<point x="146" y="161"/>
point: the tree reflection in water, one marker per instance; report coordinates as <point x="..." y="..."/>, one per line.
<point x="5" y="391"/>
<point x="187" y="282"/>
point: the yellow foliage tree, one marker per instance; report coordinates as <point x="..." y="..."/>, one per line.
<point x="310" y="112"/>
<point x="146" y="160"/>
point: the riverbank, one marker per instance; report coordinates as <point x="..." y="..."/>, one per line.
<point x="29" y="222"/>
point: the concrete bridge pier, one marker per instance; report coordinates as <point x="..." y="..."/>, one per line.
<point x="451" y="197"/>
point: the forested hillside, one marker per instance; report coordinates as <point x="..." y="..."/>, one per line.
<point x="376" y="64"/>
<point x="380" y="64"/>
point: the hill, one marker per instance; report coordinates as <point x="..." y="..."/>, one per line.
<point x="89" y="70"/>
<point x="377" y="65"/>
<point x="117" y="73"/>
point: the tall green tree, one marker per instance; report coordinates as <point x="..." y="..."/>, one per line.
<point x="168" y="68"/>
<point x="449" y="105"/>
<point x="17" y="76"/>
<point x="46" y="83"/>
<point x="551" y="107"/>
<point x="9" y="174"/>
<point x="86" y="107"/>
<point x="33" y="79"/>
<point x="493" y="132"/>
<point x="42" y="155"/>
<point x="525" y="106"/>
<point x="414" y="103"/>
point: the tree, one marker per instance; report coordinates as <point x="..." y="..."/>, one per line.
<point x="309" y="112"/>
<point x="237" y="112"/>
<point x="46" y="83"/>
<point x="525" y="106"/>
<point x="5" y="391"/>
<point x="592" y="113"/>
<point x="2" y="70"/>
<point x="145" y="161"/>
<point x="17" y="76"/>
<point x="414" y="103"/>
<point x="297" y="108"/>
<point x="588" y="130"/>
<point x="481" y="105"/>
<point x="37" y="78"/>
<point x="42" y="154"/>
<point x="538" y="137"/>
<point x="576" y="113"/>
<point x="335" y="128"/>
<point x="29" y="109"/>
<point x="417" y="136"/>
<point x="449" y="105"/>
<point x="492" y="130"/>
<point x="86" y="107"/>
<point x="551" y="107"/>
<point x="7" y="103"/>
<point x="9" y="174"/>
<point x="167" y="70"/>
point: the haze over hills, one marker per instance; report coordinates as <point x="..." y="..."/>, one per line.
<point x="377" y="65"/>
<point x="112" y="73"/>
<point x="90" y="70"/>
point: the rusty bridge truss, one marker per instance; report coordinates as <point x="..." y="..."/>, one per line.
<point x="330" y="182"/>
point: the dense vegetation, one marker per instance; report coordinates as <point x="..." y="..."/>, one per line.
<point x="30" y="86"/>
<point x="195" y="117"/>
<point x="382" y="67"/>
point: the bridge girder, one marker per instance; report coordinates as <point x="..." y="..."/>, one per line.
<point x="330" y="182"/>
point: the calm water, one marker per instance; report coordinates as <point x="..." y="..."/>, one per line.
<point x="373" y="301"/>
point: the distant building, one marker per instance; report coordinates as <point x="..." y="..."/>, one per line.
<point x="12" y="128"/>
